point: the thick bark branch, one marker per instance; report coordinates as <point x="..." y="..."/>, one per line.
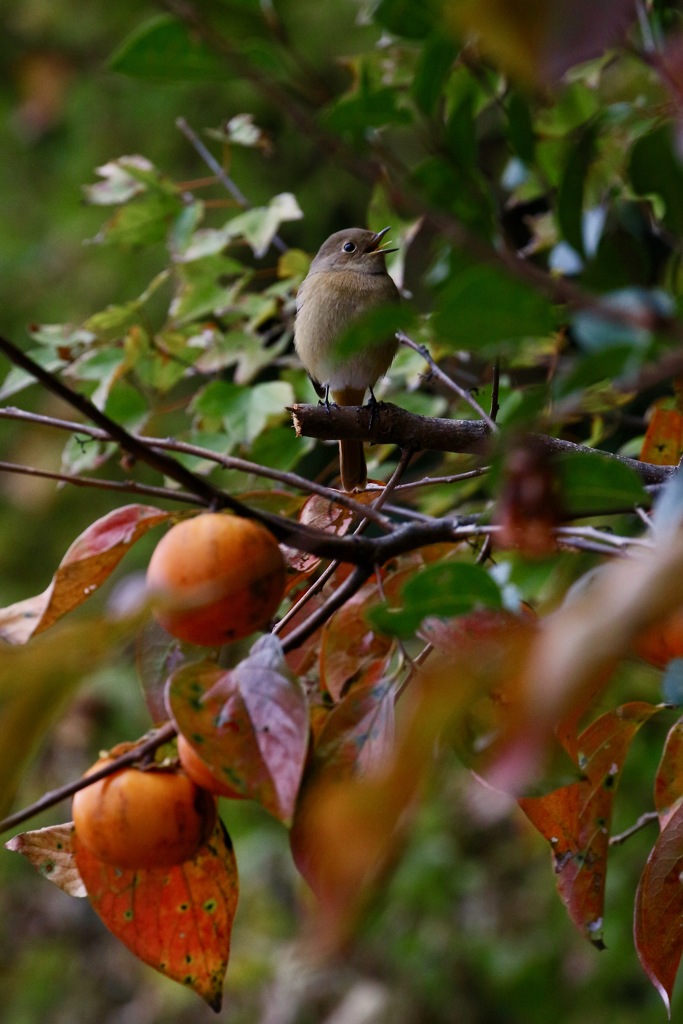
<point x="391" y="425"/>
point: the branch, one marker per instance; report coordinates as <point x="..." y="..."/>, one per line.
<point x="357" y="550"/>
<point x="390" y="424"/>
<point x="232" y="462"/>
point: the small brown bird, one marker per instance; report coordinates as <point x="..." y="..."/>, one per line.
<point x="347" y="277"/>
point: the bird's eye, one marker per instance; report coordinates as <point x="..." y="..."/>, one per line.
<point x="348" y="247"/>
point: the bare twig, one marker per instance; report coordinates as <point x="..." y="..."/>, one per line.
<point x="222" y="174"/>
<point x="121" y="486"/>
<point x="445" y="379"/>
<point x="231" y="462"/>
<point x="641" y="823"/>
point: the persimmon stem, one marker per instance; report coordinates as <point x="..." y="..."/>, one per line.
<point x="162" y="735"/>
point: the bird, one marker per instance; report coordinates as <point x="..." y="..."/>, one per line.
<point x="347" y="277"/>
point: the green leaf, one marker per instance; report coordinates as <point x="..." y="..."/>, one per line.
<point x="242" y="412"/>
<point x="373" y="327"/>
<point x="443" y="590"/>
<point x="413" y="19"/>
<point x="143" y="221"/>
<point x="572" y="186"/>
<point x="521" y="127"/>
<point x="483" y="307"/>
<point x="433" y="68"/>
<point x="654" y="169"/>
<point x="35" y="681"/>
<point x="164" y="49"/>
<point x="18" y="379"/>
<point x="593" y="483"/>
<point x="205" y="286"/>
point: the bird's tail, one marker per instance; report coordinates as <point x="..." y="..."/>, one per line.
<point x="354" y="471"/>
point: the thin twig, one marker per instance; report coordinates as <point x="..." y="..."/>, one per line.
<point x="642" y="821"/>
<point x="162" y="735"/>
<point x="319" y="617"/>
<point x="121" y="486"/>
<point x="445" y="379"/>
<point x="220" y="172"/>
<point x="231" y="462"/>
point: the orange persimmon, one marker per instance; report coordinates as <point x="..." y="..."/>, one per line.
<point x="137" y="818"/>
<point x="218" y="578"/>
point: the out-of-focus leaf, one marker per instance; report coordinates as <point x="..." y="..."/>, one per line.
<point x="576" y="648"/>
<point x="35" y="681"/>
<point x="659" y="908"/>
<point x="570" y="196"/>
<point x="372" y="327"/>
<point x="539" y="40"/>
<point x="119" y="184"/>
<point x="668" y="791"/>
<point x="436" y="62"/>
<point x="663" y="442"/>
<point x="592" y="484"/>
<point x="249" y="724"/>
<point x="413" y="19"/>
<point x="177" y="919"/>
<point x="444" y="590"/>
<point x="50" y="852"/>
<point x="521" y="126"/>
<point x="482" y="306"/>
<point x="616" y="327"/>
<point x="143" y="221"/>
<point x="164" y="49"/>
<point x="87" y="564"/>
<point x="18" y="379"/>
<point x="576" y="819"/>
<point x="655" y="170"/>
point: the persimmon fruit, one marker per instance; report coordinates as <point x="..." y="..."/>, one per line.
<point x="218" y="578"/>
<point x="200" y="773"/>
<point x="137" y="818"/>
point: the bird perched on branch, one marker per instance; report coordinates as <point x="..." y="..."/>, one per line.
<point x="347" y="277"/>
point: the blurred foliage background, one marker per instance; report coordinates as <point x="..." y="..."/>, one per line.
<point x="470" y="929"/>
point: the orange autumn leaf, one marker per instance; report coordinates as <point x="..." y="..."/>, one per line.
<point x="87" y="564"/>
<point x="663" y="442"/>
<point x="177" y="919"/>
<point x="576" y="819"/>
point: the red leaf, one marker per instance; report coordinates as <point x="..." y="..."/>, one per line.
<point x="669" y="777"/>
<point x="358" y="733"/>
<point x="51" y="853"/>
<point x="659" y="909"/>
<point x="178" y="919"/>
<point x="348" y="643"/>
<point x="249" y="724"/>
<point x="576" y="819"/>
<point x="87" y="564"/>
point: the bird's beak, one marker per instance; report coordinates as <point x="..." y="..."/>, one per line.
<point x="376" y="242"/>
